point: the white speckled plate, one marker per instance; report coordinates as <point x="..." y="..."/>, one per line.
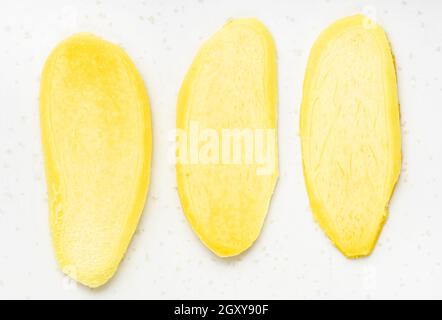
<point x="292" y="258"/>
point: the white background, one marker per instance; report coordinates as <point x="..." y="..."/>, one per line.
<point x="292" y="258"/>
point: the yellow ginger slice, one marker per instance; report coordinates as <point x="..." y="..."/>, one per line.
<point x="227" y="112"/>
<point x="350" y="133"/>
<point x="96" y="135"/>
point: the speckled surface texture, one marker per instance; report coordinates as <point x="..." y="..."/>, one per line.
<point x="292" y="258"/>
